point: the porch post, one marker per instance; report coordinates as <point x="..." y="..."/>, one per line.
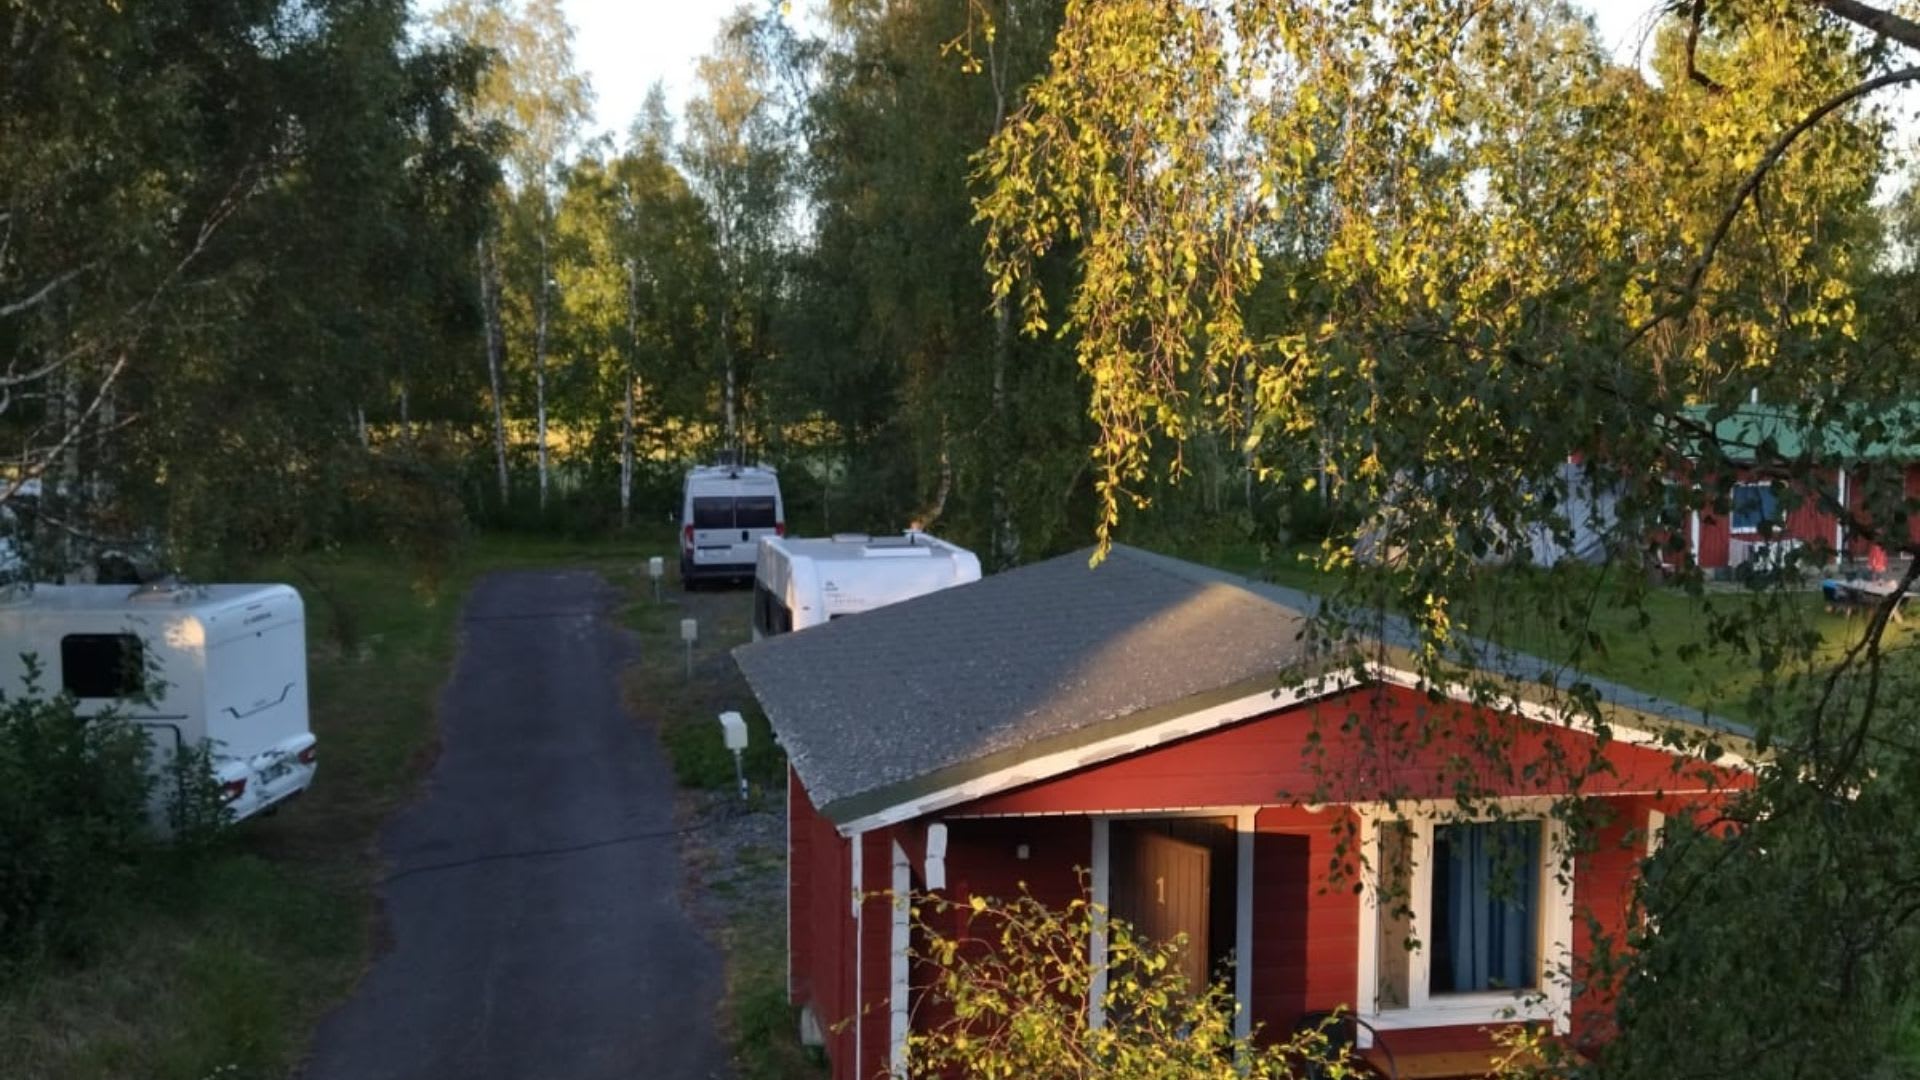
<point x="1243" y="924"/>
<point x="1097" y="947"/>
<point x="899" y="989"/>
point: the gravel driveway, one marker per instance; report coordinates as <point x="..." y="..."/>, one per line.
<point x="534" y="906"/>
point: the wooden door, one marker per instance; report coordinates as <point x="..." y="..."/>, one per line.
<point x="1162" y="887"/>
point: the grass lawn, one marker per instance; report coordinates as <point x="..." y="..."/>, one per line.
<point x="1659" y="640"/>
<point x="220" y="966"/>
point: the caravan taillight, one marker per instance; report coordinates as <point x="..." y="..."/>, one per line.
<point x="310" y="755"/>
<point x="233" y="789"/>
<point x="686" y="538"/>
<point x="779" y="528"/>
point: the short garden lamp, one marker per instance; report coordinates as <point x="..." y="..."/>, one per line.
<point x="656" y="569"/>
<point x="733" y="729"/>
<point x="689" y="633"/>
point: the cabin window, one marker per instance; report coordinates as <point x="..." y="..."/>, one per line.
<point x="102" y="665"/>
<point x="713" y="513"/>
<point x="754" y="512"/>
<point x="1755" y="506"/>
<point x="1486" y="907"/>
<point x="1469" y="919"/>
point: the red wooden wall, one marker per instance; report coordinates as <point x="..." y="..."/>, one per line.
<point x="1306" y="929"/>
<point x="1360" y="746"/>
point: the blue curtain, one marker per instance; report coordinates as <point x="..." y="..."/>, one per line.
<point x="1492" y="876"/>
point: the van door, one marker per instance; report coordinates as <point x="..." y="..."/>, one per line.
<point x="755" y="516"/>
<point x="714" y="533"/>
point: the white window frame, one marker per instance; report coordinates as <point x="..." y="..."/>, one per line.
<point x="1551" y="1000"/>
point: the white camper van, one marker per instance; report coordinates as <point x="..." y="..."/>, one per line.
<point x="725" y="511"/>
<point x="226" y="666"/>
<point x="802" y="583"/>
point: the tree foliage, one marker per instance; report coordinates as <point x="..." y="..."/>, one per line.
<point x="1009" y="998"/>
<point x="1482" y="249"/>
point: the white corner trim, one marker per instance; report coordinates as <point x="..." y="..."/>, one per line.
<point x="1243" y="922"/>
<point x="858" y="840"/>
<point x="1097" y="947"/>
<point x="899" y="988"/>
<point x="1047" y="766"/>
<point x="789" y="884"/>
<point x="1656" y="826"/>
<point x="1840" y="519"/>
<point x="1693" y="537"/>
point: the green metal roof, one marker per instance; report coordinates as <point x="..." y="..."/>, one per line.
<point x="1861" y="438"/>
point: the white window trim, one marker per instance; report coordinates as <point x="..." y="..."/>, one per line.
<point x="1551" y="1001"/>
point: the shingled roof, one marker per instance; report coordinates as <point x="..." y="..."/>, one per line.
<point x="909" y="698"/>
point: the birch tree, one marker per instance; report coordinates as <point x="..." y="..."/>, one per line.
<point x="736" y="153"/>
<point x="537" y="98"/>
<point x="1523" y="254"/>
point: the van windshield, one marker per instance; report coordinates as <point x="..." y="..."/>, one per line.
<point x="754" y="512"/>
<point x="713" y="513"/>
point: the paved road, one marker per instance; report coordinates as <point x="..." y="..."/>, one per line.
<point x="576" y="965"/>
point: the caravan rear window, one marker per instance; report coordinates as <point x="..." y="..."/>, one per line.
<point x="102" y="665"/>
<point x="713" y="513"/>
<point x="754" y="512"/>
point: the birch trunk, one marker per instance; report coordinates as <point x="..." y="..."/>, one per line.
<point x="540" y="371"/>
<point x="1006" y="534"/>
<point x="726" y="360"/>
<point x="490" y="318"/>
<point x="626" y="397"/>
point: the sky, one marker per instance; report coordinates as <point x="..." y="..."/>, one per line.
<point x="624" y="45"/>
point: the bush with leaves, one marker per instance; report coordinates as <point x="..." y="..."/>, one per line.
<point x="1009" y="998"/>
<point x="74" y="797"/>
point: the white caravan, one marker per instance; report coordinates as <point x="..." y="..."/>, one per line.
<point x="226" y="667"/>
<point x="725" y="511"/>
<point x="802" y="583"/>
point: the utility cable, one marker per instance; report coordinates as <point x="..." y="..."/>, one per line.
<point x="538" y="853"/>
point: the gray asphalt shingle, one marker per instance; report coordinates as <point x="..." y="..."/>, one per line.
<point x="1015" y="658"/>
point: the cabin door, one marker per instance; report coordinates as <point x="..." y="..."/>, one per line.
<point x="1162" y="886"/>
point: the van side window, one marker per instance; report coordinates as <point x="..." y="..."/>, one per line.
<point x="712" y="513"/>
<point x="102" y="665"/>
<point x="769" y="614"/>
<point x="754" y="512"/>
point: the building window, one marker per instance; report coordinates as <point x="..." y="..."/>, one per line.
<point x="102" y="665"/>
<point x="1486" y="907"/>
<point x="1470" y="920"/>
<point x="1755" y="506"/>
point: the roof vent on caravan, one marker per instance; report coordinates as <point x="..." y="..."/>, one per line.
<point x="166" y="592"/>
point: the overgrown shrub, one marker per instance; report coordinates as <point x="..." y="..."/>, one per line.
<point x="1009" y="998"/>
<point x="74" y="796"/>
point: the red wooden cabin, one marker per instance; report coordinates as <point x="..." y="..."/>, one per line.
<point x="1758" y="513"/>
<point x="1128" y="730"/>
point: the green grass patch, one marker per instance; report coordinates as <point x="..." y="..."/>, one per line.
<point x="688" y="706"/>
